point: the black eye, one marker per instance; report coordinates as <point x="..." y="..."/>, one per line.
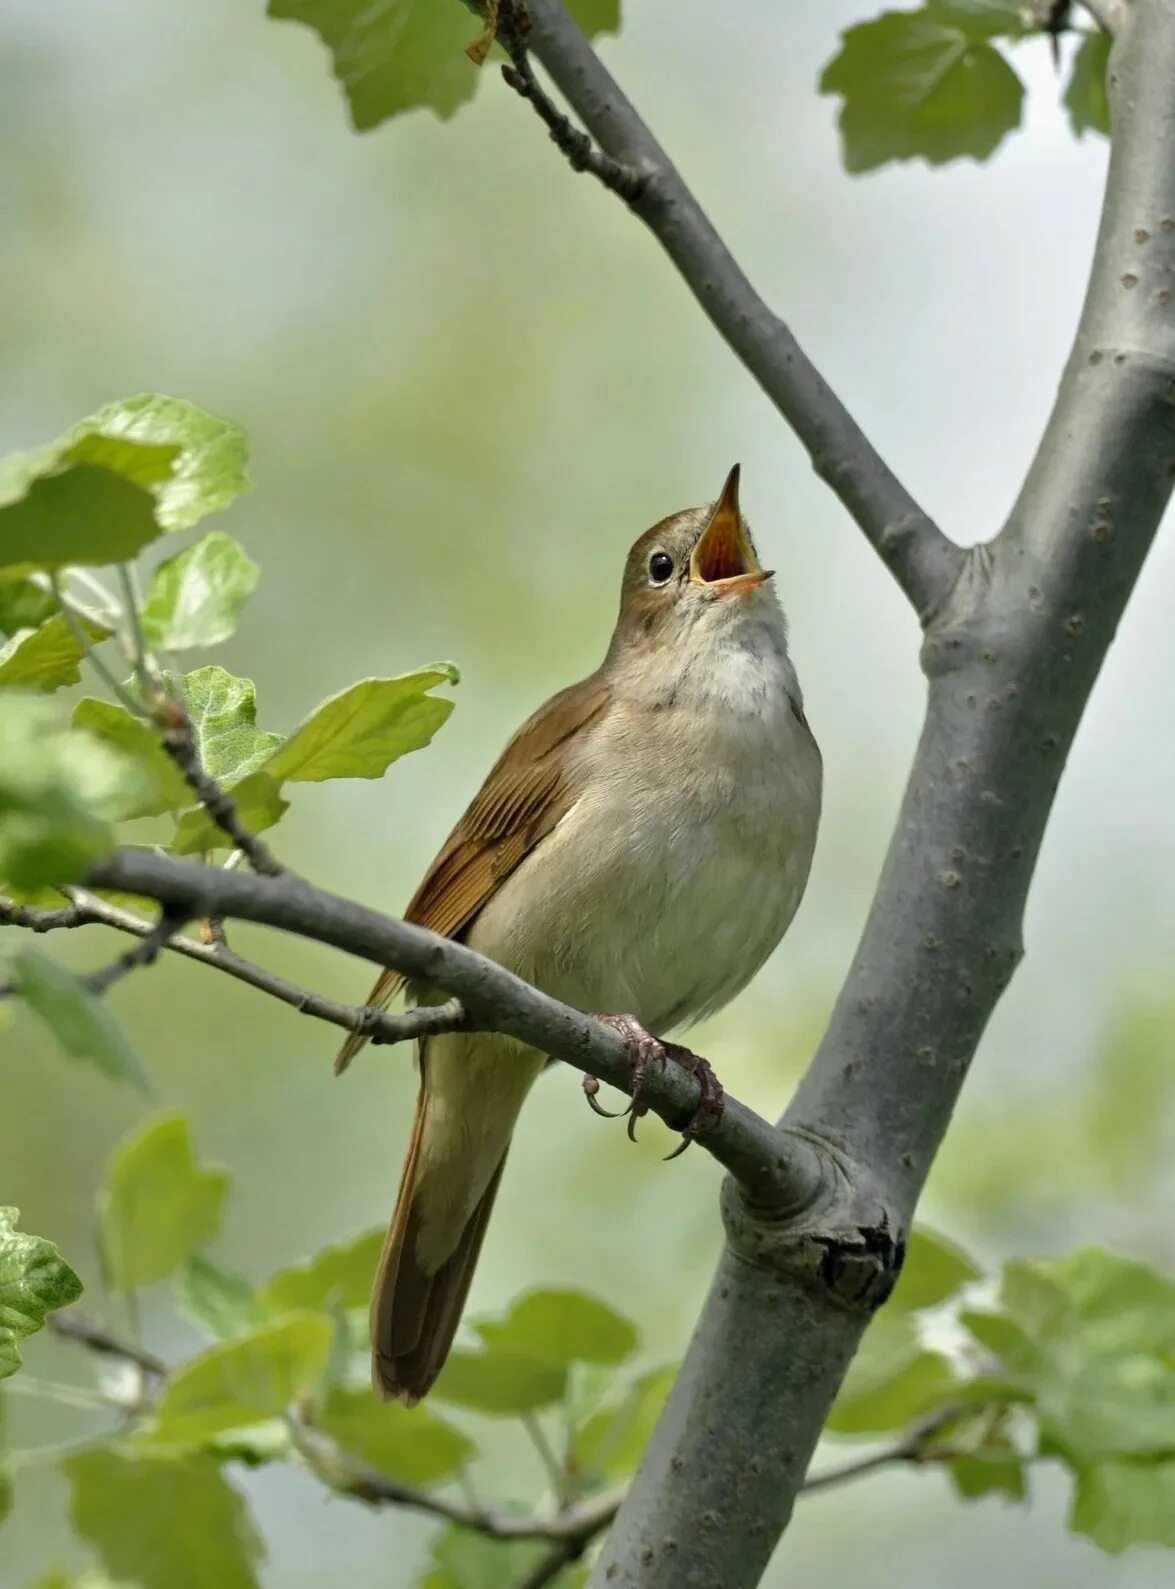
<point x="660" y="567"/>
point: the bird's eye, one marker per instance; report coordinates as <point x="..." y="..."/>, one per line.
<point x="660" y="567"/>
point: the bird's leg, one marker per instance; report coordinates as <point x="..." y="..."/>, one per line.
<point x="645" y="1049"/>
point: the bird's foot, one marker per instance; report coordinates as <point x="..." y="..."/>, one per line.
<point x="644" y="1050"/>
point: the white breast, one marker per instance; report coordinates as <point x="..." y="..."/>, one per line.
<point x="683" y="862"/>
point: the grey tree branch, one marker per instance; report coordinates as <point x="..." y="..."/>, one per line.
<point x="1011" y="658"/>
<point x="1110" y="15"/>
<point x="777" y="1168"/>
<point x="920" y="557"/>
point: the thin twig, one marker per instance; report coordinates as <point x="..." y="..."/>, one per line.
<point x="144" y="672"/>
<point x="179" y="742"/>
<point x="925" y="563"/>
<point x="145" y="952"/>
<point x="581" y="152"/>
<point x="90" y="910"/>
<point x="73" y="1326"/>
<point x="121" y="694"/>
<point x="916" y="1445"/>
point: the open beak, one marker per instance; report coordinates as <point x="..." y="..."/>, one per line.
<point x="724" y="558"/>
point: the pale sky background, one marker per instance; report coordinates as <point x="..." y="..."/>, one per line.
<point x="470" y="380"/>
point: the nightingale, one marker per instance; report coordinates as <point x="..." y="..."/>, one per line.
<point x="641" y="845"/>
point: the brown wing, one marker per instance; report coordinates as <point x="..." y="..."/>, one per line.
<point x="527" y="792"/>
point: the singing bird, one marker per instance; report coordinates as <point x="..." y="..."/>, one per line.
<point x="641" y="845"/>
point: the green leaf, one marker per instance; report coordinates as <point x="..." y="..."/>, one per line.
<point x="996" y="1470"/>
<point x="462" y="1559"/>
<point x="158" y="1205"/>
<point x="162" y="786"/>
<point x="99" y="493"/>
<point x="242" y="1381"/>
<point x="259" y="806"/>
<point x="361" y="731"/>
<point x="57" y="790"/>
<point x="223" y="714"/>
<point x="564" y="1327"/>
<point x="162" y="1523"/>
<point x="224" y="1304"/>
<point x="339" y="1276"/>
<point x="502" y="1383"/>
<point x="934" y="1270"/>
<point x="391" y="56"/>
<point x="46" y="658"/>
<point x="24" y="604"/>
<point x="194" y="598"/>
<point x="1125" y="1503"/>
<point x="892" y="1380"/>
<point x="79" y="1020"/>
<point x="34" y="1280"/>
<point x="1085" y="97"/>
<point x="413" y="1445"/>
<point x="914" y="87"/>
<point x="611" y="1442"/>
<point x="256" y="1446"/>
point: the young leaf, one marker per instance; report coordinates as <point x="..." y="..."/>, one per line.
<point x="892" y="1380"/>
<point x="194" y="598"/>
<point x="339" y="1276"/>
<point x="162" y="786"/>
<point x="399" y="55"/>
<point x="1085" y="97"/>
<point x="563" y="1326"/>
<point x="361" y="731"/>
<point x="415" y="1446"/>
<point x="34" y="1280"/>
<point x="224" y="1304"/>
<point x="1125" y="1503"/>
<point x="163" y="1523"/>
<point x="57" y="790"/>
<point x="241" y="1382"/>
<point x="46" y="658"/>
<point x="994" y="1469"/>
<point x="80" y="1021"/>
<point x="80" y="514"/>
<point x="223" y="713"/>
<point x="158" y="1206"/>
<point x="503" y="1383"/>
<point x="462" y="1559"/>
<point x="934" y="1270"/>
<point x="610" y="1443"/>
<point x="915" y="86"/>
<point x="24" y="604"/>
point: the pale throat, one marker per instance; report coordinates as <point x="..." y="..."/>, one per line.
<point x="742" y="667"/>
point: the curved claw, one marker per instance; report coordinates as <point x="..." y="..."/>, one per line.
<point x="591" y="1086"/>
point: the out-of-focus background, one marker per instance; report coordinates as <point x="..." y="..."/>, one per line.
<point x="470" y="380"/>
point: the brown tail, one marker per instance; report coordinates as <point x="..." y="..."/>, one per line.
<point x="414" y="1314"/>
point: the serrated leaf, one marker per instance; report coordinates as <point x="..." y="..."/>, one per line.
<point x="610" y="1443"/>
<point x="47" y="658"/>
<point x="163" y="1523"/>
<point x="164" y="787"/>
<point x="413" y="1445"/>
<point x="57" y="791"/>
<point x="915" y="86"/>
<point x="1125" y="1503"/>
<point x="223" y="714"/>
<point x="194" y="598"/>
<point x="224" y="1304"/>
<point x="259" y="805"/>
<point x="564" y="1327"/>
<point x="1085" y="97"/>
<point x="362" y="730"/>
<point x="338" y="1276"/>
<point x="934" y="1269"/>
<point x="462" y="1559"/>
<point x="24" y="604"/>
<point x="34" y="1280"/>
<point x="391" y="56"/>
<point x="892" y="1380"/>
<point x="158" y="1206"/>
<point x="242" y="1381"/>
<point x="502" y="1383"/>
<point x="80" y="1021"/>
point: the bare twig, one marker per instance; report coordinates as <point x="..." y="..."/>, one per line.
<point x="921" y="558"/>
<point x="145" y="952"/>
<point x="73" y="1326"/>
<point x="89" y="910"/>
